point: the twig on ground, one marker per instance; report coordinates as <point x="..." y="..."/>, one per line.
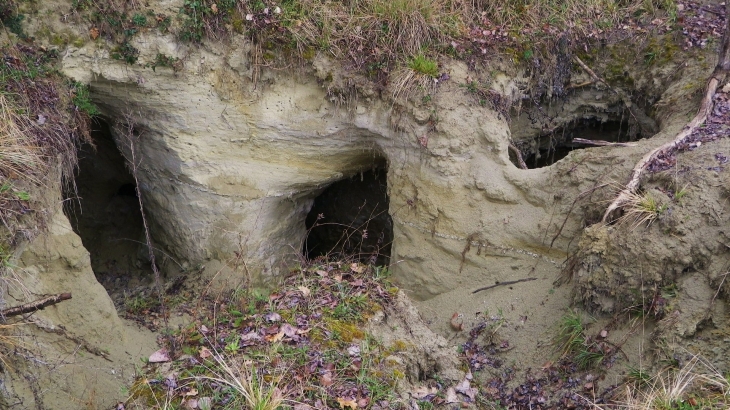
<point x="509" y="282"/>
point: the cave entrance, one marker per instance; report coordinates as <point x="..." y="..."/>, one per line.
<point x="104" y="212"/>
<point x="551" y="148"/>
<point x="350" y="219"/>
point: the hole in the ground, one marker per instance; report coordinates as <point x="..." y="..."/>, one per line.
<point x="550" y="148"/>
<point x="350" y="219"/>
<point x="106" y="215"/>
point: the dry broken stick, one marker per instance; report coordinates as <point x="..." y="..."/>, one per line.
<point x="34" y="305"/>
<point x="509" y="282"/>
<point x="601" y="143"/>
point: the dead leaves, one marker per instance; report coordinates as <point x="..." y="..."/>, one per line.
<point x="316" y="318"/>
<point x="344" y="403"/>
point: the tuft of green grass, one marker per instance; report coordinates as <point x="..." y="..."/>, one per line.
<point x="423" y="65"/>
<point x="638" y="376"/>
<point x="570" y="337"/>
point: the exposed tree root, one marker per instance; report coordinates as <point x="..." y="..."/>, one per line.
<point x="34" y="306"/>
<point x="706" y="106"/>
<point x="518" y="154"/>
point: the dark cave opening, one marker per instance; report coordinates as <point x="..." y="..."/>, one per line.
<point x="350" y="219"/>
<point x="104" y="211"/>
<point x="551" y="148"/>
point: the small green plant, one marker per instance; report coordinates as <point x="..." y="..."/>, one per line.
<point x="638" y="376"/>
<point x="233" y="346"/>
<point x="125" y="52"/>
<point x="139" y="20"/>
<point x="162" y="60"/>
<point x="587" y="358"/>
<point x="570" y="337"/>
<point x="422" y="65"/>
<point x="140" y="304"/>
<point x="82" y="99"/>
<point x="680" y="193"/>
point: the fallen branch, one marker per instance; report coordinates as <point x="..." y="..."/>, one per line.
<point x="34" y="306"/>
<point x="509" y="282"/>
<point x="601" y="143"/>
<point x="706" y="105"/>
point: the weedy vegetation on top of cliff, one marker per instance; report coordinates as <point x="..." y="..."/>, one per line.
<point x="43" y="117"/>
<point x="380" y="35"/>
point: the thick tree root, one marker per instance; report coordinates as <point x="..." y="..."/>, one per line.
<point x="706" y="106"/>
<point x="699" y="119"/>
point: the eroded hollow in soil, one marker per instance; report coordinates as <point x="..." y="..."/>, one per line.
<point x="350" y="219"/>
<point x="552" y="147"/>
<point x="104" y="212"/>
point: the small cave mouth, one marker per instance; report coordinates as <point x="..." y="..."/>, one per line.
<point x="104" y="211"/>
<point x="550" y="148"/>
<point x="350" y="219"/>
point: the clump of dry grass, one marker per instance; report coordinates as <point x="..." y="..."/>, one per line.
<point x="19" y="156"/>
<point x="698" y="384"/>
<point x="641" y="208"/>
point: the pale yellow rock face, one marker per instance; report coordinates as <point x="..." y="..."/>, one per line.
<point x="230" y="165"/>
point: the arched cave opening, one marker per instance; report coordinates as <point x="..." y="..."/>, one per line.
<point x="104" y="211"/>
<point x="350" y="219"/>
<point x="550" y="148"/>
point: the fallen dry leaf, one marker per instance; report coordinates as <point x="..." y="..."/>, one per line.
<point x="357" y="268"/>
<point x="347" y="403"/>
<point x="274" y="338"/>
<point x="422" y="392"/>
<point x="94" y="33"/>
<point x="305" y="291"/>
<point x="159" y="356"/>
<point x="465" y="388"/>
<point x="326" y="379"/>
<point x="204" y="353"/>
<point x="451" y="396"/>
